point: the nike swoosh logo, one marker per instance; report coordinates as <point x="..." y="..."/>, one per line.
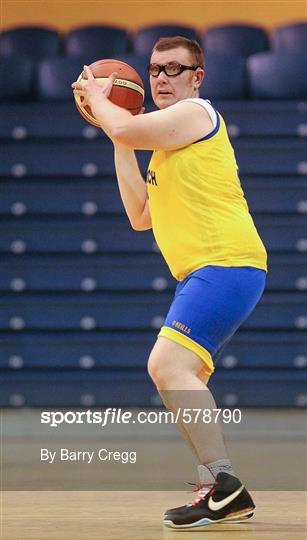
<point x="218" y="505"/>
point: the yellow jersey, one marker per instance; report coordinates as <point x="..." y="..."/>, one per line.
<point x="198" y="210"/>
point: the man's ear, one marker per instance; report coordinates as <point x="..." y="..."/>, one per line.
<point x="199" y="75"/>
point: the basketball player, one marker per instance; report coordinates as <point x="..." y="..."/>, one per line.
<point x="195" y="205"/>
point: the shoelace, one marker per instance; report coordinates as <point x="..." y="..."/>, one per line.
<point x="199" y="487"/>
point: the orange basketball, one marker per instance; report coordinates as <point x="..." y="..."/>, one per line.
<point x="127" y="92"/>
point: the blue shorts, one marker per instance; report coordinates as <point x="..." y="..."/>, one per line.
<point x="209" y="306"/>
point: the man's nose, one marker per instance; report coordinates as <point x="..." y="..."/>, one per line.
<point x="162" y="76"/>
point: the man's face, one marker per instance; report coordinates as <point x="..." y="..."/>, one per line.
<point x="168" y="90"/>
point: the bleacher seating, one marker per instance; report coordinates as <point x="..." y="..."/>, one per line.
<point x="16" y="78"/>
<point x="145" y="38"/>
<point x="54" y="77"/>
<point x="235" y="39"/>
<point x="224" y="77"/>
<point x="96" y="42"/>
<point x="83" y="295"/>
<point x="30" y="41"/>
<point x="277" y="75"/>
<point x="291" y="38"/>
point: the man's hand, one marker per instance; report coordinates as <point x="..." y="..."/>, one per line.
<point x="91" y="91"/>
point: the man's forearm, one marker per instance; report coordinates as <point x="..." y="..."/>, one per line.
<point x="131" y="184"/>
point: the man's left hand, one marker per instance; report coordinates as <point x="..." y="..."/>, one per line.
<point x="91" y="91"/>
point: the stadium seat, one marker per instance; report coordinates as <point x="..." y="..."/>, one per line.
<point x="145" y="38"/>
<point x="93" y="197"/>
<point x="262" y="118"/>
<point x="31" y="41"/>
<point x="224" y="77"/>
<point x="85" y="351"/>
<point x="62" y="197"/>
<point x="291" y="38"/>
<point x="107" y="272"/>
<point x="96" y="42"/>
<point x="269" y="194"/>
<point x="251" y="350"/>
<point x="108" y="388"/>
<point x="16" y="77"/>
<point x="73" y="158"/>
<point x="54" y="77"/>
<point x="264" y="350"/>
<point x="131" y="311"/>
<point x="277" y="76"/>
<point x="114" y="234"/>
<point x="61" y="121"/>
<point x="241" y="40"/>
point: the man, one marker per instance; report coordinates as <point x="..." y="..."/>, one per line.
<point x="201" y="222"/>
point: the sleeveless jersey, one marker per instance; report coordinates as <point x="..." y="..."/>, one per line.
<point x="198" y="210"/>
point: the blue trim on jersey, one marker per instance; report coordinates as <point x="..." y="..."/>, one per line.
<point x="213" y="132"/>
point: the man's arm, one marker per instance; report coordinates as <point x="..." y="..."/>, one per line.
<point x="132" y="188"/>
<point x="175" y="127"/>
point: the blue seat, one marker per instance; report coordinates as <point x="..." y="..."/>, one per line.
<point x="124" y="272"/>
<point x="31" y="41"/>
<point x="269" y="194"/>
<point x="283" y="233"/>
<point x="74" y="388"/>
<point x="94" y="158"/>
<point x="72" y="125"/>
<point x="241" y="40"/>
<point x="263" y="388"/>
<point x="54" y="77"/>
<point x="291" y="38"/>
<point x="78" y="351"/>
<point x="73" y="158"/>
<point x="96" y="42"/>
<point x="62" y="197"/>
<point x="114" y="234"/>
<point x="132" y="311"/>
<point x="130" y="350"/>
<point x="277" y="75"/>
<point x="116" y="272"/>
<point x="16" y="75"/>
<point x="77" y="235"/>
<point x="108" y="388"/>
<point x="264" y="350"/>
<point x="224" y="77"/>
<point x="283" y="156"/>
<point x="145" y="38"/>
<point x="261" y="118"/>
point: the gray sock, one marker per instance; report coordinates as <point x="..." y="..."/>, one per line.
<point x="221" y="465"/>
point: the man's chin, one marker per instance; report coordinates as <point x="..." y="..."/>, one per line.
<point x="164" y="100"/>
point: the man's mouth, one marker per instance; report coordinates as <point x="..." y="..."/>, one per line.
<point x="164" y="93"/>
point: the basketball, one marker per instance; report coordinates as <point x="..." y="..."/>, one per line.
<point x="127" y="91"/>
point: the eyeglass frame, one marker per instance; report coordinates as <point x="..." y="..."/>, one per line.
<point x="163" y="66"/>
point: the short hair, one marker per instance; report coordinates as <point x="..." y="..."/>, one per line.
<point x="167" y="43"/>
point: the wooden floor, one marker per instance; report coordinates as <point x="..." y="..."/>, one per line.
<point x="137" y="516"/>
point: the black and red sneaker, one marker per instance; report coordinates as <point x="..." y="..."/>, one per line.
<point x="227" y="502"/>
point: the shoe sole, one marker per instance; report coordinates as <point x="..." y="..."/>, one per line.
<point x="235" y="517"/>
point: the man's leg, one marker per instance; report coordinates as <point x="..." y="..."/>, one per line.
<point x="180" y="378"/>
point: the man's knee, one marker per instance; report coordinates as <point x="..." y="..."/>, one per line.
<point x="169" y="361"/>
<point x="159" y="368"/>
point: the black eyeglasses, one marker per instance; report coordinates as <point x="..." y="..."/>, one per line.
<point x="171" y="70"/>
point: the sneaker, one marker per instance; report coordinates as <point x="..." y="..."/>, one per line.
<point x="206" y="482"/>
<point x="226" y="502"/>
